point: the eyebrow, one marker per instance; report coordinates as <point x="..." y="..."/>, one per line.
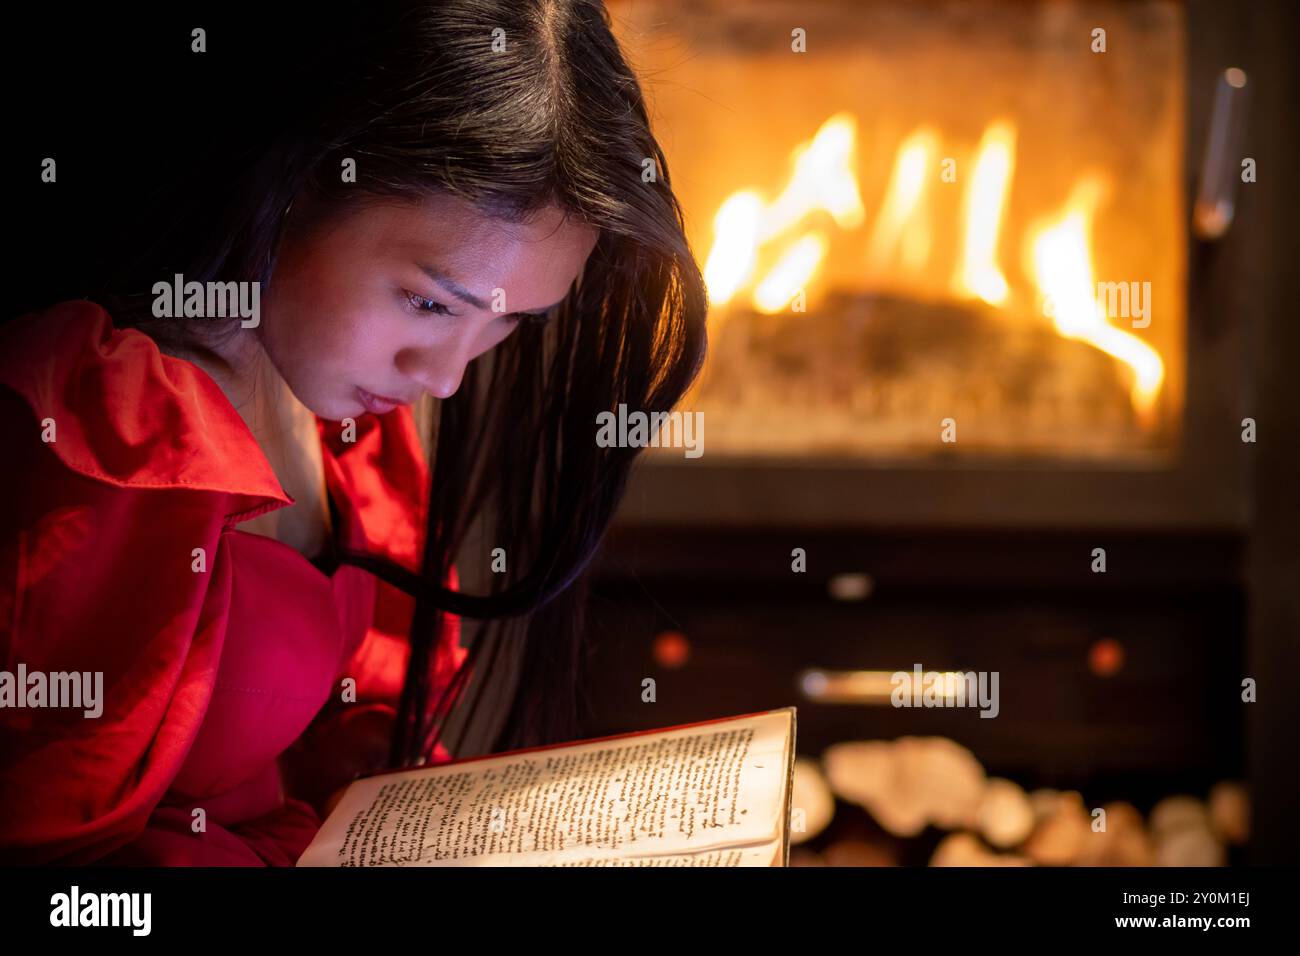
<point x="454" y="288"/>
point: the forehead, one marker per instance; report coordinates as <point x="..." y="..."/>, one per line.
<point x="534" y="261"/>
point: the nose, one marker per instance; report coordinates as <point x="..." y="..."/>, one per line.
<point x="444" y="384"/>
<point x="439" y="371"/>
<point x="443" y="381"/>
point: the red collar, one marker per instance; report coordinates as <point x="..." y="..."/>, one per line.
<point x="127" y="414"/>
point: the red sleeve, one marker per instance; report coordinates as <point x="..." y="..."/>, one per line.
<point x="96" y="578"/>
<point x="119" y="462"/>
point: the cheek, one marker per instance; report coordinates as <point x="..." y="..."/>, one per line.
<point x="335" y="347"/>
<point x="438" y="357"/>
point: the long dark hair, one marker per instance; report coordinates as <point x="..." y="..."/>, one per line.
<point x="512" y="105"/>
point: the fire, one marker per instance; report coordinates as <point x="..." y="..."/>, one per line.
<point x="791" y="272"/>
<point x="772" y="252"/>
<point x="985" y="204"/>
<point x="823" y="179"/>
<point x="1059" y="250"/>
<point x="903" y="219"/>
<point x="731" y="263"/>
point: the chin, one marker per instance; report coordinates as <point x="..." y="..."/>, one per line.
<point x="353" y="412"/>
<point x="335" y="410"/>
<point x="329" y="406"/>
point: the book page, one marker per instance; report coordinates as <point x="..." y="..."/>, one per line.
<point x="672" y="793"/>
<point x="761" y="856"/>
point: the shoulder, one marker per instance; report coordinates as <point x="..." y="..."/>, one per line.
<point x="116" y="409"/>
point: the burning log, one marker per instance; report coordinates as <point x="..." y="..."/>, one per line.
<point x="875" y="371"/>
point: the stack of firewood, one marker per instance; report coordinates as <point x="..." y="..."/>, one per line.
<point x="913" y="783"/>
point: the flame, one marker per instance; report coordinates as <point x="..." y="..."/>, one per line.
<point x="1062" y="265"/>
<point x="903" y="220"/>
<point x="986" y="202"/>
<point x="731" y="262"/>
<point x="823" y="178"/>
<point x="749" y="231"/>
<point x="795" y="267"/>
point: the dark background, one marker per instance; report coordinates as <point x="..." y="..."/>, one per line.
<point x="145" y="132"/>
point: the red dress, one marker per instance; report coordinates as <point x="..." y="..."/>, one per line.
<point x="210" y="672"/>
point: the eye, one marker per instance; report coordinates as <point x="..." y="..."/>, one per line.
<point x="420" y="304"/>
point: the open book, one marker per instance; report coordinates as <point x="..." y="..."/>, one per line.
<point x="713" y="793"/>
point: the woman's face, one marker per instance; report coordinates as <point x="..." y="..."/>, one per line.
<point x="370" y="309"/>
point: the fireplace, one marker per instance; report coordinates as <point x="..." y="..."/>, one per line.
<point x="951" y="261"/>
<point x="897" y="232"/>
<point x="980" y="305"/>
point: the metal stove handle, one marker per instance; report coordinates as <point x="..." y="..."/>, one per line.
<point x="1216" y="194"/>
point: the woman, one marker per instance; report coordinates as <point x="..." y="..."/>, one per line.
<point x="232" y="519"/>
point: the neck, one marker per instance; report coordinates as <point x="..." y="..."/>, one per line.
<point x="237" y="363"/>
<point x="284" y="428"/>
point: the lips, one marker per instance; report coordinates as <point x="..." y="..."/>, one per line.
<point x="377" y="404"/>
